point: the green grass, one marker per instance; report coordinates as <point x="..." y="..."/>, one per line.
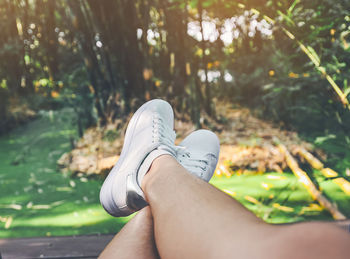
<point x="287" y="192"/>
<point x="42" y="201"/>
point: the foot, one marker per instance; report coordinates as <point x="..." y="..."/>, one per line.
<point x="199" y="153"/>
<point x="149" y="135"/>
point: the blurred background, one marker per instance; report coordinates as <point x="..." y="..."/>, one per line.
<point x="269" y="77"/>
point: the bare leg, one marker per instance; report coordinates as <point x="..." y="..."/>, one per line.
<point x="195" y="220"/>
<point x="135" y="240"/>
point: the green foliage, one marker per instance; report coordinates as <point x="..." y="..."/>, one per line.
<point x="337" y="148"/>
<point x="104" y="58"/>
<point x="79" y="97"/>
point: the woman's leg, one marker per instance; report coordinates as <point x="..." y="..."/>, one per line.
<point x="135" y="240"/>
<point x="193" y="219"/>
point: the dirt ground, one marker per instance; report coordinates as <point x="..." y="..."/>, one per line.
<point x="248" y="144"/>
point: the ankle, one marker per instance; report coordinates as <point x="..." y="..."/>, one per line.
<point x="158" y="164"/>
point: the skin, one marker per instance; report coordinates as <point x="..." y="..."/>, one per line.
<point x="135" y="240"/>
<point x="193" y="219"/>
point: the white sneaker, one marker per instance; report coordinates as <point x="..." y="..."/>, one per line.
<point x="149" y="134"/>
<point x="199" y="153"/>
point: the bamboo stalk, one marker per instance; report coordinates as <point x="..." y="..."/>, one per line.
<point x="327" y="172"/>
<point x="319" y="68"/>
<point x="313" y="161"/>
<point x="309" y="185"/>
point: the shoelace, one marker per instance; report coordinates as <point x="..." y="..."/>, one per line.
<point x="184" y="157"/>
<point x="162" y="133"/>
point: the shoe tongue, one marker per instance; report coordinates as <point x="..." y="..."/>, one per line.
<point x="147" y="162"/>
<point x="167" y="149"/>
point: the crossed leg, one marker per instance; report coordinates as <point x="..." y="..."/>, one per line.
<point x="193" y="219"/>
<point x="135" y="240"/>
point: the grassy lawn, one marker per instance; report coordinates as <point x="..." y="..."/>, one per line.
<point x="281" y="198"/>
<point x="40" y="199"/>
<point x="36" y="199"/>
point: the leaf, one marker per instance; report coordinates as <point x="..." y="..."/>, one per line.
<point x="266" y="186"/>
<point x="41" y="207"/>
<point x="320" y="140"/>
<point x="346" y="92"/>
<point x="57" y="203"/>
<point x="63" y="189"/>
<point x="193" y="3"/>
<point x="276" y="177"/>
<point x="29" y="205"/>
<point x="286" y="18"/>
<point x="282" y="208"/>
<point x="8" y="222"/>
<point x="314" y="54"/>
<point x="207" y="3"/>
<point x="229" y="192"/>
<point x="291" y="8"/>
<point x="251" y="199"/>
<point x="84" y="179"/>
<point x="12" y="206"/>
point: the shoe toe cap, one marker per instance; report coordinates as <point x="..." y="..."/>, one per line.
<point x="204" y="140"/>
<point x="165" y="110"/>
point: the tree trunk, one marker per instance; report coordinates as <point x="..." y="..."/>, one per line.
<point x="207" y="104"/>
<point x="52" y="44"/>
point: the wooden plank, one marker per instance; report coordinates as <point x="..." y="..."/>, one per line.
<point x="89" y="246"/>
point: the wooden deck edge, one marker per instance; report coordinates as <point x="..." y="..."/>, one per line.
<point x="86" y="246"/>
